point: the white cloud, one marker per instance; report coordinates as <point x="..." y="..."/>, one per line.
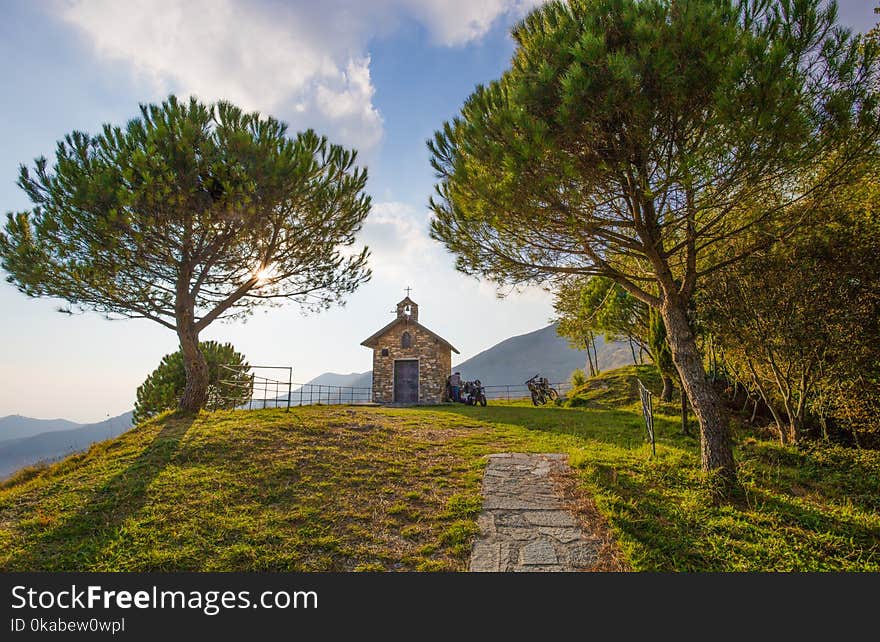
<point x="293" y="62"/>
<point x="306" y="62"/>
<point x="397" y="235"/>
<point x="457" y="22"/>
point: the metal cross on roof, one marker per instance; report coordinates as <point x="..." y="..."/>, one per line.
<point x="408" y="290"/>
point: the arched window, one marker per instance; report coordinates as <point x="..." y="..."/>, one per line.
<point x="406" y="340"/>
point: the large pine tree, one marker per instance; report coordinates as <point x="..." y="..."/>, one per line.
<point x="188" y="214"/>
<point x="653" y="141"/>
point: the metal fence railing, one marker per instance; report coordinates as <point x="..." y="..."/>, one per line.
<point x="308" y="394"/>
<point x="273" y="387"/>
<point x="648" y="413"/>
<point x="252" y="387"/>
<point x="515" y="392"/>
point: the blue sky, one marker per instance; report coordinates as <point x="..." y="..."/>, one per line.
<point x="380" y="75"/>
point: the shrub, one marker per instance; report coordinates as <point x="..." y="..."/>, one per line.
<point x="164" y="386"/>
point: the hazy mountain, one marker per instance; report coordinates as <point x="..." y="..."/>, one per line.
<point x="49" y="446"/>
<point x="17" y="427"/>
<point x="353" y="380"/>
<point x="514" y="360"/>
<point x="543" y="351"/>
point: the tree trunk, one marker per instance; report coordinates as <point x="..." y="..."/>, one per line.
<point x="195" y="393"/>
<point x="712" y="362"/>
<point x="684" y="414"/>
<point x="590" y="345"/>
<point x="666" y="393"/>
<point x="793" y="429"/>
<point x="777" y="416"/>
<point x="768" y="401"/>
<point x="716" y="452"/>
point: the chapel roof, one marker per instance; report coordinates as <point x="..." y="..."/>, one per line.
<point x="371" y="341"/>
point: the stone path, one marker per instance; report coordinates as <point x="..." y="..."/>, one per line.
<point x="524" y="525"/>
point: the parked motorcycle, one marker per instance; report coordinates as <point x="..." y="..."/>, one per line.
<point x="475" y="393"/>
<point x="540" y="389"/>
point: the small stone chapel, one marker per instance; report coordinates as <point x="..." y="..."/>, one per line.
<point x="410" y="362"/>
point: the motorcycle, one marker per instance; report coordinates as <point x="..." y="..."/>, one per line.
<point x="475" y="393"/>
<point x="540" y="389"/>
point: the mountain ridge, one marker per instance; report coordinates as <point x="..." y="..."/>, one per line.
<point x="19" y="426"/>
<point x="513" y="360"/>
<point x="55" y="444"/>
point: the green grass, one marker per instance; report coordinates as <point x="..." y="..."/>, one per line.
<point x="335" y="488"/>
<point x="613" y="389"/>
<point x="321" y="488"/>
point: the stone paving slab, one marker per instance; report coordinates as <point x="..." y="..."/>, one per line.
<point x="524" y="525"/>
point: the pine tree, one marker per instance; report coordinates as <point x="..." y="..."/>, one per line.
<point x="653" y="142"/>
<point x="188" y="214"/>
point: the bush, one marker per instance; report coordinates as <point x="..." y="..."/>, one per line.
<point x="578" y="378"/>
<point x="164" y="386"/>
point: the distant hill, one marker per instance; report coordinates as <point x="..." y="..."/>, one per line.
<point x="17" y="427"/>
<point x="54" y="444"/>
<point x="353" y="380"/>
<point x="514" y="360"/>
<point x="543" y="351"/>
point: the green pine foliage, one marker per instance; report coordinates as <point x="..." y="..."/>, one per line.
<point x="228" y="380"/>
<point x="598" y="305"/>
<point x="653" y="142"/>
<point x="187" y="214"/>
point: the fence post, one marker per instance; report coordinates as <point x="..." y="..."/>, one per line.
<point x="648" y="413"/>
<point x="289" y="382"/>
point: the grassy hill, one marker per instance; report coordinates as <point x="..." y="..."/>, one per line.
<point x="345" y="488"/>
